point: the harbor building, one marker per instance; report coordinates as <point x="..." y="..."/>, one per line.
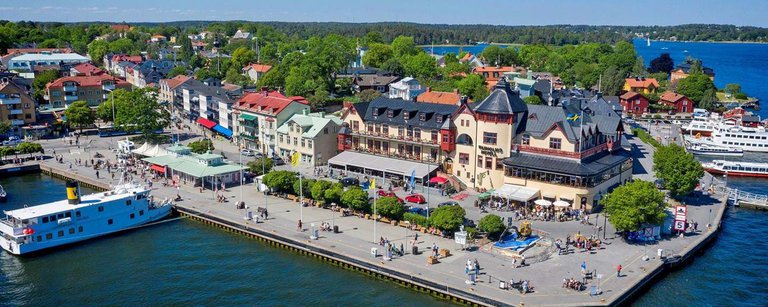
<point x="313" y="135"/>
<point x="259" y="114"/>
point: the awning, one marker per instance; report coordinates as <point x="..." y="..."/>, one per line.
<point x="438" y="180"/>
<point x="516" y="192"/>
<point x="206" y="123"/>
<point x="486" y="194"/>
<point x="383" y="164"/>
<point x="247" y="116"/>
<point x="223" y="131"/>
<point x="158" y="168"/>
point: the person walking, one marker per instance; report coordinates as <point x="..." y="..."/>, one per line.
<point x="299" y="228"/>
<point x="97" y="174"/>
<point x="618" y="271"/>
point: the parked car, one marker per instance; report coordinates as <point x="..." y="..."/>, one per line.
<point x="416" y="198"/>
<point x="383" y="193"/>
<point x="447" y="203"/>
<point x="277" y="161"/>
<point x="349" y="181"/>
<point x="247" y="152"/>
<point x="11" y="141"/>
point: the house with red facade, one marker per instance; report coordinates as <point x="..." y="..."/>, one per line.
<point x="633" y="103"/>
<point x="679" y="102"/>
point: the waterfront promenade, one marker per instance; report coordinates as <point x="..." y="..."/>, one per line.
<point x="356" y="240"/>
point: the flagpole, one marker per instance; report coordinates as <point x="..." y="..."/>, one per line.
<point x="374" y="211"/>
<point x="426" y="185"/>
<point x="301" y="198"/>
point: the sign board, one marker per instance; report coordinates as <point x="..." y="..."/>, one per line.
<point x="679" y="225"/>
<point x="461" y="237"/>
<point x="681" y="213"/>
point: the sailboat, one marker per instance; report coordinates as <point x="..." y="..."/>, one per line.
<point x="648" y="41"/>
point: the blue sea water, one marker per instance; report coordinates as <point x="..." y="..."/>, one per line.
<point x="442" y="50"/>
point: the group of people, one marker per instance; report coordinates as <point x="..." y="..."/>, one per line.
<point x="573" y="284"/>
<point x="325" y="226"/>
<point x="472" y="267"/>
<point x="528" y="211"/>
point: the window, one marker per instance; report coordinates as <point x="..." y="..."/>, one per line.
<point x="71" y="231"/>
<point x="370" y="128"/>
<point x="489" y="138"/>
<point x="406" y="115"/>
<point x="463" y="158"/>
<point x="48" y="236"/>
<point x="400" y="131"/>
<point x="434" y="136"/>
<point x="480" y="161"/>
<point x="68" y="214"/>
<point x="390" y="113"/>
<point x="133" y="215"/>
<point x="295" y="141"/>
<point x="375" y="111"/>
<point x="417" y="133"/>
<point x="309" y="144"/>
<point x="355" y="125"/>
<point x="499" y="164"/>
<point x="489" y="162"/>
<point x="128" y="202"/>
<point x="385" y="129"/>
<point x="109" y="222"/>
<point x="422" y="116"/>
<point x="281" y="138"/>
<point x="325" y="130"/>
<point x="141" y="212"/>
<point x="45" y="219"/>
<point x="303" y="143"/>
<point x="60" y="233"/>
<point x="438" y="119"/>
<point x="526" y="140"/>
<point x="554" y="143"/>
<point x="101" y="209"/>
<point x="39" y="238"/>
<point x="79" y="228"/>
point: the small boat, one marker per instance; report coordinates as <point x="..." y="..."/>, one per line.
<point x="664" y="48"/>
<point x="75" y="219"/>
<point x="686" y="51"/>
<point x="715" y="150"/>
<point x="3" y="194"/>
<point x="735" y="168"/>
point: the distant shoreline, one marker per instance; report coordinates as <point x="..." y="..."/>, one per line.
<point x="711" y="42"/>
<point x="458" y="45"/>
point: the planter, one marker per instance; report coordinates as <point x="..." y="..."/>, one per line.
<point x="394" y="223"/>
<point x="432" y="260"/>
<point x="367" y="216"/>
<point x="384" y="220"/>
<point x="444" y="252"/>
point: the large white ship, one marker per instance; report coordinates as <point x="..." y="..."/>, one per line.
<point x="730" y="134"/>
<point x="35" y="228"/>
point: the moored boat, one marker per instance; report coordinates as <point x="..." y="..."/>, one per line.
<point x="736" y="168"/>
<point x="715" y="150"/>
<point x="3" y="194"/>
<point x="75" y="219"/>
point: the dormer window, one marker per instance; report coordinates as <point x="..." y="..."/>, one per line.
<point x="390" y="113"/>
<point x="439" y="119"/>
<point x="375" y="111"/>
<point x="406" y="115"/>
<point x="422" y="116"/>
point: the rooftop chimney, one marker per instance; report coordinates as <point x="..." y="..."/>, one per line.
<point x="463" y="99"/>
<point x="429" y="89"/>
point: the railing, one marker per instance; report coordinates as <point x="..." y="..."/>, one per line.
<point x="70" y="98"/>
<point x="397" y="138"/>
<point x="17" y="122"/>
<point x="563" y="153"/>
<point x="395" y="155"/>
<point x="735" y="195"/>
<point x="16" y="111"/>
<point x="10" y="100"/>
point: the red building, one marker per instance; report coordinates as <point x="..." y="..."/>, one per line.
<point x="633" y="103"/>
<point x="680" y="103"/>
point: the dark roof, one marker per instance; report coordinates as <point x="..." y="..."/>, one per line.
<point x="350" y="71"/>
<point x="399" y="106"/>
<point x="502" y="100"/>
<point x="750" y="119"/>
<point x="200" y="88"/>
<point x="592" y="166"/>
<point x="373" y="80"/>
<point x="686" y="67"/>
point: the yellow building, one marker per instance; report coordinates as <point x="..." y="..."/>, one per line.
<point x="641" y="85"/>
<point x="522" y="152"/>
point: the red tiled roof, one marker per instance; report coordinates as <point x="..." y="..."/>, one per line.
<point x="671" y="97"/>
<point x="491" y="68"/>
<point x="267" y="102"/>
<point x="86" y="81"/>
<point x="158" y="36"/>
<point x="199" y="44"/>
<point x="128" y="58"/>
<point x="258" y="67"/>
<point x="176" y="81"/>
<point x="641" y="82"/>
<point x="629" y="95"/>
<point x="466" y="57"/>
<point x="451" y="98"/>
<point x="88" y="69"/>
<point x="120" y="27"/>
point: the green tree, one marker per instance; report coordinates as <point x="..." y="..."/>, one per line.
<point x="473" y="86"/>
<point x="319" y="188"/>
<point x="422" y="66"/>
<point x="242" y="56"/>
<point x="97" y="50"/>
<point x="377" y="55"/>
<point x="709" y="100"/>
<point x="390" y="207"/>
<point x="639" y="68"/>
<point x="79" y="115"/>
<point x="403" y="46"/>
<point x="260" y="166"/>
<point x="374" y="37"/>
<point x="495" y="54"/>
<point x="280" y="181"/>
<point x="532" y="99"/>
<point x="491" y="224"/>
<point x="29" y="148"/>
<point x="307" y="187"/>
<point x="612" y="81"/>
<point x="356" y="199"/>
<point x="679" y="170"/>
<point x="4" y="127"/>
<point x="447" y="218"/>
<point x="334" y="193"/>
<point x="636" y="203"/>
<point x="733" y="88"/>
<point x="201" y="146"/>
<point x="318" y="99"/>
<point x="327" y="56"/>
<point x="695" y="85"/>
<point x="368" y="95"/>
<point x="41" y="80"/>
<point x="394" y="66"/>
<point x="139" y="109"/>
<point x="177" y="71"/>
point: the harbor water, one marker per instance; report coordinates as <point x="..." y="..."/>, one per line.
<point x="181" y="263"/>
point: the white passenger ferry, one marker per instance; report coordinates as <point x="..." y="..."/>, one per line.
<point x="700" y="127"/>
<point x="735" y="168"/>
<point x="730" y="134"/>
<point x="35" y="228"/>
<point x="704" y="149"/>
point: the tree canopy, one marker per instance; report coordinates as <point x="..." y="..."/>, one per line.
<point x="280" y="181"/>
<point x="636" y="203"/>
<point x="663" y="63"/>
<point x="680" y="171"/>
<point x="448" y="218"/>
<point x="201" y="146"/>
<point x="139" y="109"/>
<point x="260" y="166"/>
<point x="79" y="115"/>
<point x="495" y="54"/>
<point x="390" y="207"/>
<point x="356" y="199"/>
<point x="695" y="86"/>
<point x="491" y="224"/>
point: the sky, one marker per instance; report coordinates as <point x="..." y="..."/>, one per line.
<point x="497" y="12"/>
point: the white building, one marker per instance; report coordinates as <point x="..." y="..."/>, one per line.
<point x="313" y="135"/>
<point x="27" y="62"/>
<point x="407" y="89"/>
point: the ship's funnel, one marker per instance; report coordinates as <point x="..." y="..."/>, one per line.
<point x="73" y="192"/>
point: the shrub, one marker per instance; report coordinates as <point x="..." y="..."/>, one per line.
<point x="333" y="194"/>
<point x="356" y="199"/>
<point x="318" y="189"/>
<point x="447" y="218"/>
<point x="491" y="224"/>
<point x="390" y="207"/>
<point x="645" y="137"/>
<point x="307" y="183"/>
<point x="415" y="218"/>
<point x="280" y="181"/>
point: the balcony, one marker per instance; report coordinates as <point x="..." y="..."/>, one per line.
<point x="108" y="87"/>
<point x="562" y="153"/>
<point x="70" y="88"/>
<point x="10" y="100"/>
<point x="394" y="155"/>
<point x="16" y="111"/>
<point x="405" y="139"/>
<point x="70" y="98"/>
<point x="17" y="122"/>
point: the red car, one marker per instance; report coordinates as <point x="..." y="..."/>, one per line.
<point x="416" y="198"/>
<point x="382" y="193"/>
